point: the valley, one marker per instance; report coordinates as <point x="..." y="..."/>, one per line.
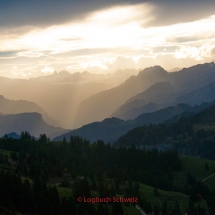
<point x="157" y="146"/>
<point x="107" y="107"/>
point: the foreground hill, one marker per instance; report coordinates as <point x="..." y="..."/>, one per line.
<point x="110" y="129"/>
<point x="21" y="106"/>
<point x="143" y="89"/>
<point x="162" y="182"/>
<point x="31" y="122"/>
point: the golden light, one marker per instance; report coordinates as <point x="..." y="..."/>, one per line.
<point x="105" y="34"/>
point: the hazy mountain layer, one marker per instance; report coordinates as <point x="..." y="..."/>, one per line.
<point x="103" y="104"/>
<point x="21" y="106"/>
<point x="204" y="94"/>
<point x="31" y="122"/>
<point x="12" y="135"/>
<point x="157" y="96"/>
<point x="138" y="110"/>
<point x="60" y="94"/>
<point x="59" y="101"/>
<point x="75" y="105"/>
<point x="144" y="102"/>
<point x="164" y="94"/>
<point x="109" y="130"/>
<point x="64" y="77"/>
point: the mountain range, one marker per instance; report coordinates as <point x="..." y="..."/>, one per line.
<point x="161" y="95"/>
<point x="60" y="94"/>
<point x="12" y="135"/>
<point x="100" y="106"/>
<point x="172" y="85"/>
<point x="31" y="122"/>
<point x="188" y="133"/>
<point x="79" y="78"/>
<point x="71" y="100"/>
<point x="21" y="106"/>
<point x="110" y="129"/>
<point x="155" y="97"/>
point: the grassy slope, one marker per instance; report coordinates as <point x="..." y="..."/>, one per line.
<point x="67" y="192"/>
<point x="193" y="165"/>
<point x="169" y="196"/>
<point x="148" y="193"/>
<point x="204" y="126"/>
<point x="63" y="191"/>
<point x="6" y="152"/>
<point x="196" y="167"/>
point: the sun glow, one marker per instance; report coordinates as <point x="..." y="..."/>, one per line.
<point x="109" y="33"/>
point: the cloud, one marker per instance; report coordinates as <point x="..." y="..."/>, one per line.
<point x="121" y="62"/>
<point x="46" y="13"/>
<point x="30" y="54"/>
<point x="7" y="54"/>
<point x="107" y="40"/>
<point x="200" y="53"/>
<point x="213" y="52"/>
<point x="47" y="69"/>
<point x="167" y="61"/>
<point x="7" y="32"/>
<point x="100" y="31"/>
<point x="168" y="12"/>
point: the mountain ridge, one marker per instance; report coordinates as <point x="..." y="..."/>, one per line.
<point x="8" y="106"/>
<point x="164" y="94"/>
<point x="101" y="105"/>
<point x="31" y="122"/>
<point x="110" y="129"/>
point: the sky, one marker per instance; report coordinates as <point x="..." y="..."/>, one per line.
<point x="101" y="36"/>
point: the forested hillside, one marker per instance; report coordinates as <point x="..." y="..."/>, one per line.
<point x="31" y="169"/>
<point x="192" y="135"/>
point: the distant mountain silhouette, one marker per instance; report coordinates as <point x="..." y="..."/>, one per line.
<point x="175" y="91"/>
<point x="155" y="97"/>
<point x="60" y="101"/>
<point x="204" y="94"/>
<point x="31" y="122"/>
<point x="79" y="78"/>
<point x="193" y="78"/>
<point x="60" y="94"/>
<point x="12" y="135"/>
<point x="73" y="100"/>
<point x="102" y="105"/>
<point x="109" y="102"/>
<point x="21" y="106"/>
<point x="110" y="129"/>
<point x="136" y="111"/>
